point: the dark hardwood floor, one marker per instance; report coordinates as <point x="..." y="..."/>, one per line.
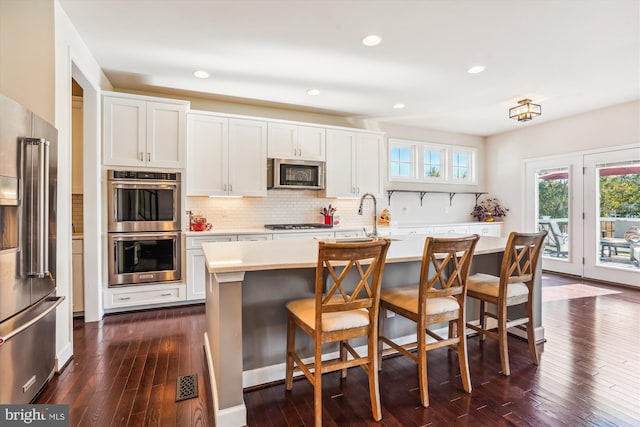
<point x="125" y="369"/>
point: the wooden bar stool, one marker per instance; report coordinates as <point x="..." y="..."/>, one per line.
<point x="349" y="309"/>
<point x="513" y="287"/>
<point x="438" y="297"/>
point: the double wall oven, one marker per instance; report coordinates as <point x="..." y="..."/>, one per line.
<point x="144" y="227"/>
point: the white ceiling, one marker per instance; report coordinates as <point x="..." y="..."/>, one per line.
<point x="569" y="56"/>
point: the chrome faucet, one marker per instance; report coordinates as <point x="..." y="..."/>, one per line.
<point x="375" y="215"/>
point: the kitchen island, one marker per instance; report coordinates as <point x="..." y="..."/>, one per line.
<point x="247" y="286"/>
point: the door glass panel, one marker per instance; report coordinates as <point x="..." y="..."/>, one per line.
<point x="553" y="211"/>
<point x="618" y="204"/>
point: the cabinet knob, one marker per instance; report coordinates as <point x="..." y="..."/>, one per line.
<point x="148" y="157"/>
<point x="141" y="156"/>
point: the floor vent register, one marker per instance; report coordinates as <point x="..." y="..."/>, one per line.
<point x="186" y="387"/>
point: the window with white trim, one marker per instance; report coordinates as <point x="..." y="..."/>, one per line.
<point x="402" y="160"/>
<point x="428" y="162"/>
<point x="433" y="163"/>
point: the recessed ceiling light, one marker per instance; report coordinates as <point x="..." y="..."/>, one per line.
<point x="201" y="74"/>
<point x="399" y="106"/>
<point x="372" y="40"/>
<point x="313" y="92"/>
<point x="476" y="69"/>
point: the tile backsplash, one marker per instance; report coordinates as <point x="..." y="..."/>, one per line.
<point x="76" y="213"/>
<point x="289" y="206"/>
<point x="280" y="207"/>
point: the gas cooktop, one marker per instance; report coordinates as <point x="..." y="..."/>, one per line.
<point x="296" y="226"/>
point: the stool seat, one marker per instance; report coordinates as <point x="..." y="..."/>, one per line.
<point x="488" y="284"/>
<point x="305" y="311"/>
<point x="407" y="298"/>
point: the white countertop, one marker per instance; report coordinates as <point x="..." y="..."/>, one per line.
<point x="262" y="230"/>
<point x="227" y="257"/>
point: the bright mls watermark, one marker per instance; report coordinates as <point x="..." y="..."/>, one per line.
<point x="36" y="415"/>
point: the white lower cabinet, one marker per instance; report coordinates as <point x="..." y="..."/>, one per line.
<point x="254" y="237"/>
<point x="486" y="229"/>
<point x="352" y="233"/>
<point x="196" y="273"/>
<point x="295" y="236"/>
<point x="141" y="295"/>
<point x="77" y="259"/>
<point x="451" y="229"/>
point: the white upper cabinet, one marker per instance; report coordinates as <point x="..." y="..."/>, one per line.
<point x="353" y="164"/>
<point x="208" y="144"/>
<point x="289" y="141"/>
<point x="139" y="131"/>
<point x="226" y="156"/>
<point x="247" y="157"/>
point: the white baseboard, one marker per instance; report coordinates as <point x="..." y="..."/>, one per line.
<point x="64" y="356"/>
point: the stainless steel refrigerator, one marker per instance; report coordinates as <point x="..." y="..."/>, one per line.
<point x="28" y="301"/>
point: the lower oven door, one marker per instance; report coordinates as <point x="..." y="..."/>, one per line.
<point x="138" y="258"/>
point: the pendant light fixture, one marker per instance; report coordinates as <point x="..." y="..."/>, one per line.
<point x="525" y="111"/>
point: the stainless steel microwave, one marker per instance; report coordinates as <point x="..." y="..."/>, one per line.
<point x="295" y="174"/>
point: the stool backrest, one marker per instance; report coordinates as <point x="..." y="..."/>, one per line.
<point x="354" y="276"/>
<point x="520" y="258"/>
<point x="445" y="266"/>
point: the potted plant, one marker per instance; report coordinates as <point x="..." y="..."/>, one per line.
<point x="488" y="209"/>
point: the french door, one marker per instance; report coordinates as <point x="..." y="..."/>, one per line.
<point x="587" y="202"/>
<point x="612" y="210"/>
<point x="557" y="208"/>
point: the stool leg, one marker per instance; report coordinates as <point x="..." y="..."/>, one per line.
<point x="291" y="338"/>
<point x="502" y="339"/>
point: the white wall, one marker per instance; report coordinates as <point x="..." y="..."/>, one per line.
<point x="73" y="58"/>
<point x="505" y="153"/>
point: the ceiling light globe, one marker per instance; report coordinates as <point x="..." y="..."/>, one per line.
<point x="201" y="74"/>
<point x="476" y="69"/>
<point x="313" y="92"/>
<point x="372" y="40"/>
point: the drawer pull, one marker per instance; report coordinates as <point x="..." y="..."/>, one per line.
<point x="166" y="294"/>
<point x="124" y="298"/>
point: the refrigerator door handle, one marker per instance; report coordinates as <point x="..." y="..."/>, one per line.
<point x="35" y="155"/>
<point x="45" y="307"/>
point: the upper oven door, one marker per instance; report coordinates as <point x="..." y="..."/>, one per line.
<point x="143" y="206"/>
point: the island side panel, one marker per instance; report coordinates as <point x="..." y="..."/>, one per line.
<point x="224" y="332"/>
